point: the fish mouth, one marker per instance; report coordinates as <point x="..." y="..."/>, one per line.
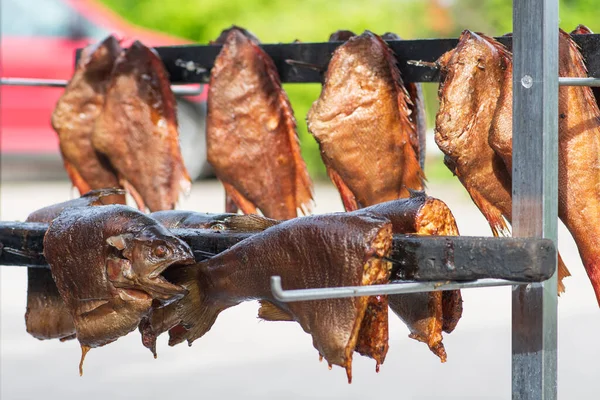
<point x="162" y="290"/>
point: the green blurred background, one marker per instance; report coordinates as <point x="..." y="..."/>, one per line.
<point x="314" y="20"/>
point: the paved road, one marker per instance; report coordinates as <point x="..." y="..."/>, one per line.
<point x="242" y="357"/>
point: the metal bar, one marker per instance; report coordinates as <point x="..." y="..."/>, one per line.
<point x="374" y="290"/>
<point x="535" y="191"/>
<point x="177" y="90"/>
<point x="192" y="64"/>
<point x="416" y="258"/>
<point x="579" y="81"/>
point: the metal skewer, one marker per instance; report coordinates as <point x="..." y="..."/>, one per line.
<point x="373" y="290"/>
<point x="177" y="90"/>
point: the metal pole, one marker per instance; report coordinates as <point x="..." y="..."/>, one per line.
<point x="535" y="191"/>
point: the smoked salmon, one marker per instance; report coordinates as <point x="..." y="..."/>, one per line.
<point x="251" y="133"/>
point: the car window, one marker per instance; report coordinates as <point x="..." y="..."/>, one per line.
<point x="52" y="18"/>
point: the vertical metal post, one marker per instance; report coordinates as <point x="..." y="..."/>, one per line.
<point x="535" y="191"/>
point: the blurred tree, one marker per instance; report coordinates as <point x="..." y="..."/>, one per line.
<point x="313" y="20"/>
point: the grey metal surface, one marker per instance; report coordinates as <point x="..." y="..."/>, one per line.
<point x="535" y="187"/>
<point x="373" y="290"/>
<point x="177" y="90"/>
<point x="579" y="81"/>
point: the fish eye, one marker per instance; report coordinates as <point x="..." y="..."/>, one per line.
<point x="161" y="251"/>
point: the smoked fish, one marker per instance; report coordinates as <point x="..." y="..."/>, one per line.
<point x="425" y="314"/>
<point x="473" y="76"/>
<point x="75" y="114"/>
<point x="107" y="263"/>
<point x="315" y="251"/>
<point x="578" y="155"/>
<point x="137" y="130"/>
<point x="165" y="318"/>
<point x="46" y="315"/>
<point x="251" y="133"/>
<point x="362" y="122"/>
<point x="584" y="30"/>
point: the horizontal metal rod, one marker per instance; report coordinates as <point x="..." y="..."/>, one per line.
<point x="579" y="81"/>
<point x="374" y="290"/>
<point x="177" y="90"/>
<point x="192" y="63"/>
<point x="414" y="258"/>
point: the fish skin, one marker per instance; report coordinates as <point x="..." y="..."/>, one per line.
<point x="468" y="95"/>
<point x="138" y="132"/>
<point x="315" y="251"/>
<point x="164" y="318"/>
<point x="251" y="133"/>
<point x="46" y="315"/>
<point x="578" y="147"/>
<point x="76" y="112"/>
<point x="425" y="314"/>
<point x="124" y="252"/>
<point x="353" y="110"/>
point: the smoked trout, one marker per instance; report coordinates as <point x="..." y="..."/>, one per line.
<point x="473" y="76"/>
<point x="107" y="263"/>
<point x="75" y="115"/>
<point x="362" y="122"/>
<point x="578" y="155"/>
<point x="137" y="130"/>
<point x="47" y="316"/>
<point x="251" y="133"/>
<point x="316" y="251"/>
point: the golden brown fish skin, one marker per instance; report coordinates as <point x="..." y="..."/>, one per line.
<point x="165" y="318"/>
<point x="47" y="316"/>
<point x="76" y="112"/>
<point x="316" y="251"/>
<point x="469" y="92"/>
<point x="418" y="138"/>
<point x="425" y="314"/>
<point x="579" y="143"/>
<point x="362" y="99"/>
<point x="124" y="252"/>
<point x="251" y="133"/>
<point x="137" y="130"/>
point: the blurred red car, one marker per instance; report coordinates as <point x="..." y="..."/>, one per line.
<point x="38" y="39"/>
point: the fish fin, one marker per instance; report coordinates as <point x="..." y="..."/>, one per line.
<point x="348" y="198"/>
<point x="243" y="203"/>
<point x="452" y="308"/>
<point x="270" y="312"/>
<point x="139" y="201"/>
<point x="78" y="181"/>
<point x="230" y="206"/>
<point x="413" y="176"/>
<point x="373" y="336"/>
<point x="304" y="187"/>
<point x="593" y="271"/>
<point x="197" y="311"/>
<point x="84" y="351"/>
<point x="177" y="334"/>
<point x="148" y="335"/>
<point x="563" y="272"/>
<point x="491" y="213"/>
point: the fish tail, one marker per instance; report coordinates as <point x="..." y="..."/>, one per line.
<point x="237" y="198"/>
<point x="413" y="176"/>
<point x="197" y="310"/>
<point x="76" y="178"/>
<point x="491" y="213"/>
<point x="348" y="198"/>
<point x="563" y="272"/>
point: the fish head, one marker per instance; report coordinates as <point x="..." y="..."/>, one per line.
<point x="582" y="30"/>
<point x="145" y="255"/>
<point x="101" y="56"/>
<point x="341" y="36"/>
